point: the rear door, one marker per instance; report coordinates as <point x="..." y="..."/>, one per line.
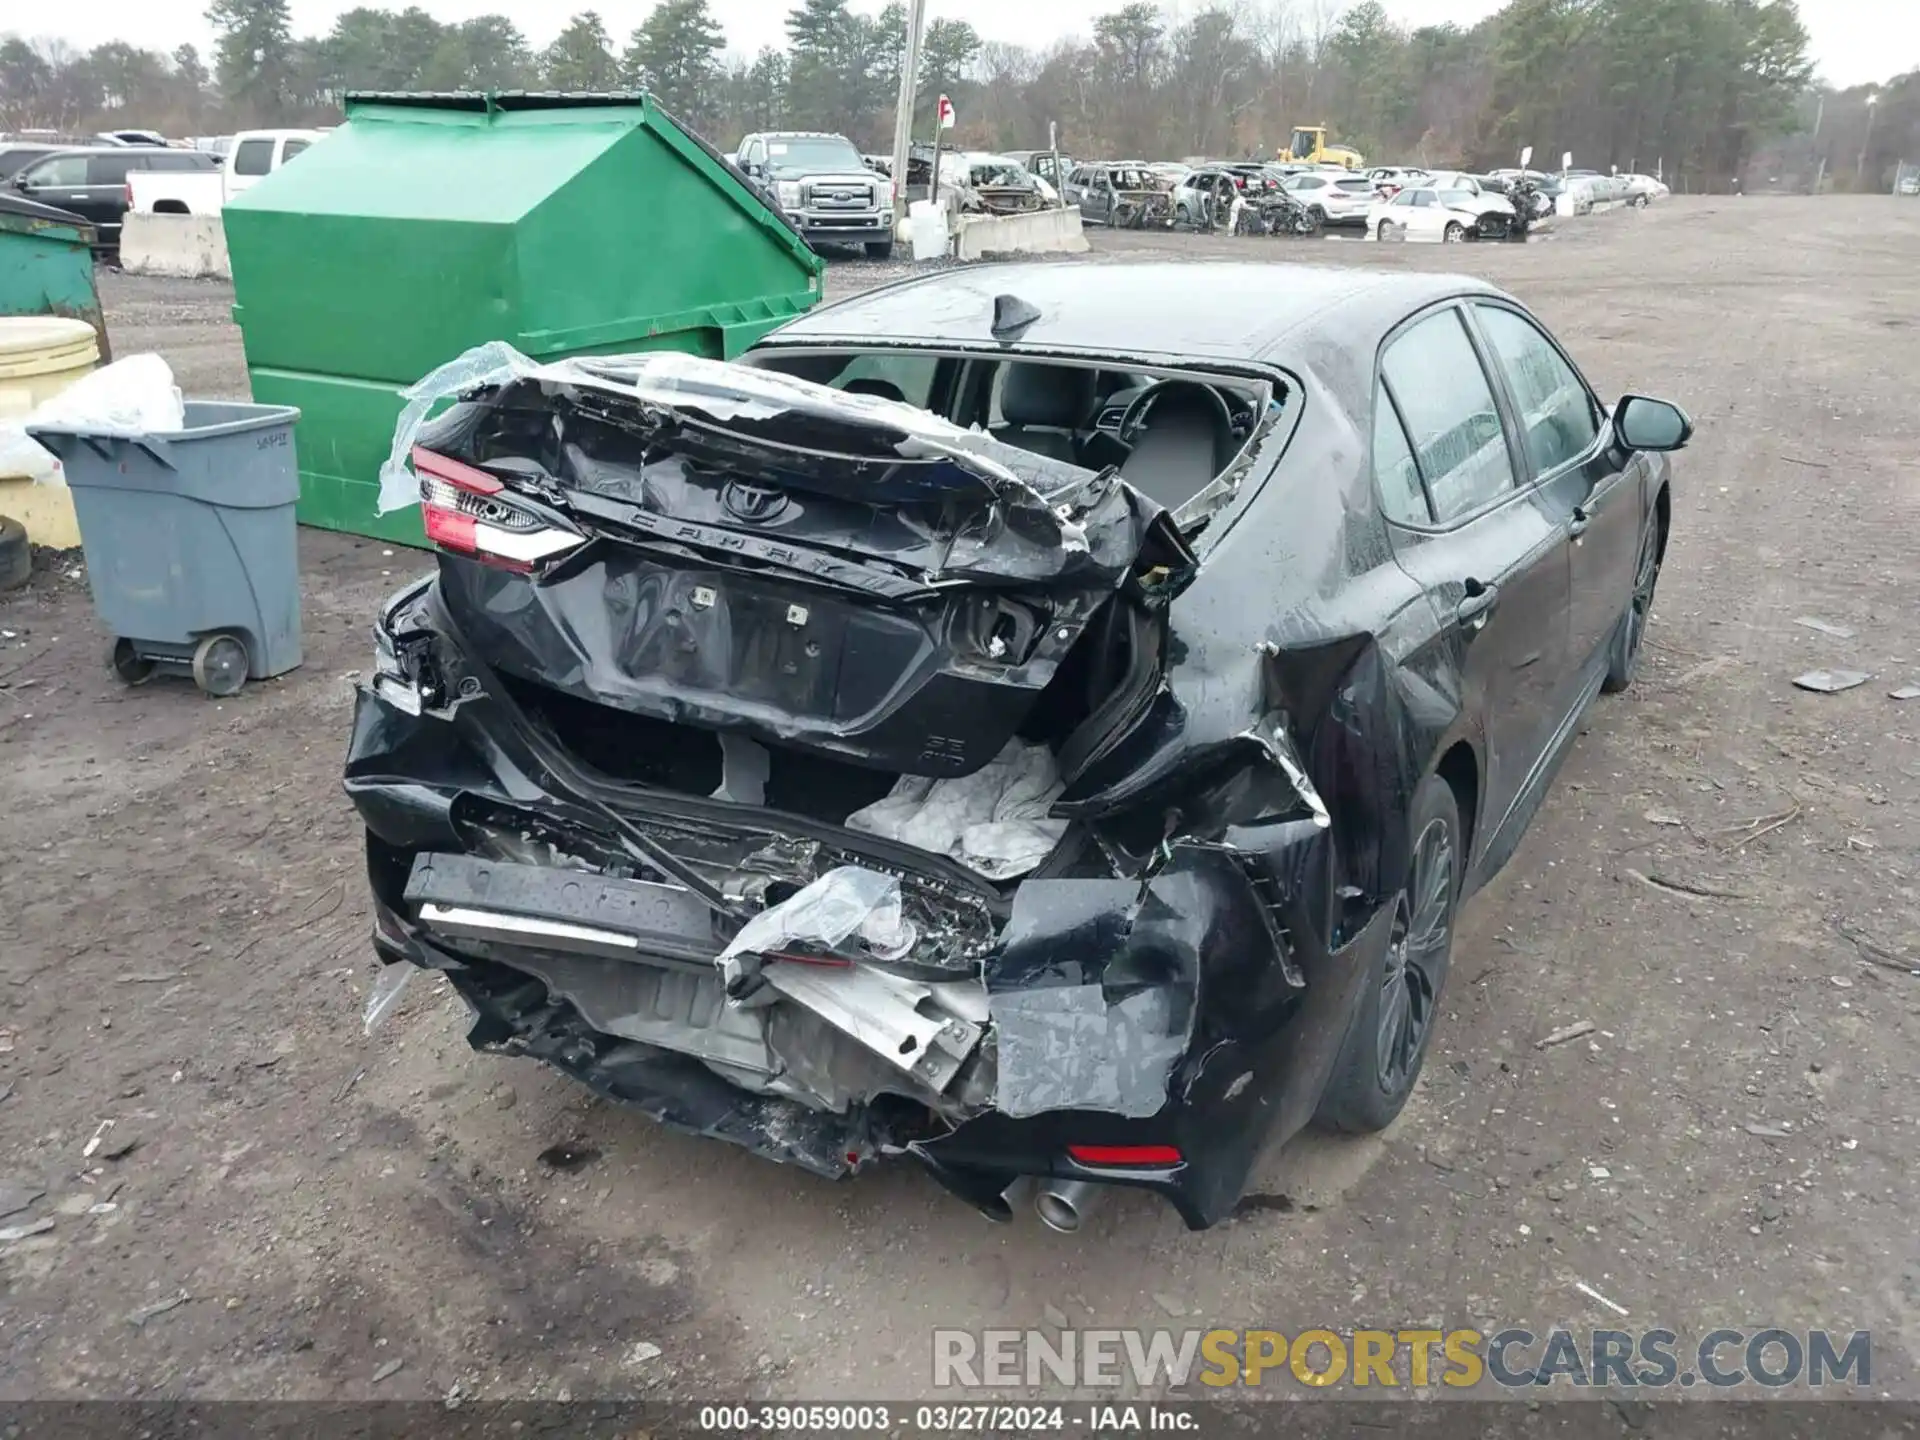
<point x="107" y="189"/>
<point x="1572" y="460"/>
<point x="1480" y="542"/>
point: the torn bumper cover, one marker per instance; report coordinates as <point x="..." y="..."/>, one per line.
<point x="775" y="864"/>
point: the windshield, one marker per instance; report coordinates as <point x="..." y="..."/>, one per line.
<point x="1129" y="179"/>
<point x="812" y="154"/>
<point x="1302" y="142"/>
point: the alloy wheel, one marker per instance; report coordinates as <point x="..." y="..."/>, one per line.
<point x="1646" y="573"/>
<point x="1417" y="951"/>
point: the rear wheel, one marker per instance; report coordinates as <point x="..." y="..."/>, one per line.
<point x="1393" y="1021"/>
<point x="1623" y="659"/>
<point x="1454" y="233"/>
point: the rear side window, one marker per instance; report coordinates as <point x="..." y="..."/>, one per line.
<point x="1444" y="396"/>
<point x="1393" y="469"/>
<point x="108" y="169"/>
<point x="253" y="157"/>
<point x="1554" y="405"/>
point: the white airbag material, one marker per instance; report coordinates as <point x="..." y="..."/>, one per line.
<point x="994" y="820"/>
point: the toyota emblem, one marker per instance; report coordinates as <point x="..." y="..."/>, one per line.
<point x="753" y="503"/>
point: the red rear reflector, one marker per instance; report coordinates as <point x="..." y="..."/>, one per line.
<point x="456" y="472"/>
<point x="1125" y="1154"/>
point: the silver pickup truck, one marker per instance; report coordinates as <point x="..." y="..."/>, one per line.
<point x="820" y="182"/>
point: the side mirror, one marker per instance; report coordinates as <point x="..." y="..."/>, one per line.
<point x="18" y="182"/>
<point x="1643" y="423"/>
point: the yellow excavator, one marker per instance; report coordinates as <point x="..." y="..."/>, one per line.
<point x="1309" y="146"/>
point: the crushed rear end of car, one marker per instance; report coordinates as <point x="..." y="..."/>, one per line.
<point x="792" y="766"/>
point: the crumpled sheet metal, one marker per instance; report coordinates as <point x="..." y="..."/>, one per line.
<point x="843" y="902"/>
<point x="724" y="392"/>
<point x="994" y="821"/>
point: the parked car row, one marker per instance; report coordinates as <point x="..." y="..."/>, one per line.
<point x="103" y="180"/>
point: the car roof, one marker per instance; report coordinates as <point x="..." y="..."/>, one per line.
<point x="122" y="152"/>
<point x="1209" y="310"/>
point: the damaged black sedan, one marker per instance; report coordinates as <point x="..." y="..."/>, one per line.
<point x="1041" y="720"/>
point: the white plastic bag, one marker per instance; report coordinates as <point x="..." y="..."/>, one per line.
<point x="134" y="396"/>
<point x="131" y="396"/>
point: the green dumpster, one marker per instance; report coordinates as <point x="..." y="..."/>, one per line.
<point x="46" y="265"/>
<point x="427" y="224"/>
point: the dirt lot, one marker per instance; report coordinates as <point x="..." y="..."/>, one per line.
<point x="184" y="953"/>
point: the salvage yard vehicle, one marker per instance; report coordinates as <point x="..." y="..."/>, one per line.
<point x="1333" y="199"/>
<point x="1308" y="143"/>
<point x="254" y="155"/>
<point x="822" y="185"/>
<point x="93" y="183"/>
<point x="1004" y="719"/>
<point x="1123" y="196"/>
<point x="1449" y="215"/>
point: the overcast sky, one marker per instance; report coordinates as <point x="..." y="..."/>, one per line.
<point x="1854" y="41"/>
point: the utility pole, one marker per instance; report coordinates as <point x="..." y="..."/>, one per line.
<point x="1860" y="165"/>
<point x="903" y="112"/>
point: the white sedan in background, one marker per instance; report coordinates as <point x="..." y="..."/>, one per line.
<point x="1644" y="189"/>
<point x="1426" y="212"/>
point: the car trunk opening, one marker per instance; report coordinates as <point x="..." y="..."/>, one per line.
<point x="775" y="595"/>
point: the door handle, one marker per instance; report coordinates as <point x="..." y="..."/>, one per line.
<point x="1578" y="524"/>
<point x="1478" y="603"/>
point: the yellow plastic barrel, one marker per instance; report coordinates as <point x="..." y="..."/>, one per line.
<point x="40" y="355"/>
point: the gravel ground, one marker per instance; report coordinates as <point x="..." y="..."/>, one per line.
<point x="1722" y="882"/>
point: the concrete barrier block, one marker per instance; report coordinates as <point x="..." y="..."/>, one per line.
<point x="1049" y="232"/>
<point x="183" y="246"/>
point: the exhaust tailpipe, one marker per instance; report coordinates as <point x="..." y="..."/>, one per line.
<point x="1064" y="1205"/>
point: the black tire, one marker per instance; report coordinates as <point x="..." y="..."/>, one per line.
<point x="1629" y="636"/>
<point x="1394" y="1019"/>
<point x="879" y="249"/>
<point x="1386" y="231"/>
<point x="16" y="554"/>
<point x="1454" y="233"/>
<point x="1318" y="216"/>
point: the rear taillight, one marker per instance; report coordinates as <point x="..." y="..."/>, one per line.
<point x="469" y="512"/>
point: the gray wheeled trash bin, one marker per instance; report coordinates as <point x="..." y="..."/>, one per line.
<point x="192" y="550"/>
